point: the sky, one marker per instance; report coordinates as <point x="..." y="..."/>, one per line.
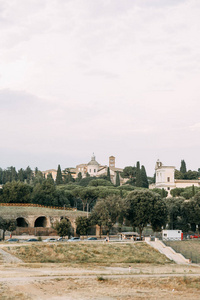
<point x="113" y="77"/>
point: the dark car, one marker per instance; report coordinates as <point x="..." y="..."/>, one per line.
<point x="32" y="240"/>
<point x="12" y="240"/>
<point x="92" y="239"/>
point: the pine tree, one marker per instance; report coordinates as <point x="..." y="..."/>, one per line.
<point x="138" y="175"/>
<point x="183" y="167"/>
<point x="144" y="179"/>
<point x="59" y="179"/>
<point x="108" y="174"/>
<point x="117" y="179"/>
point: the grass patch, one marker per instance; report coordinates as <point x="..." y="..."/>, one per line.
<point x="87" y="253"/>
<point x="101" y="279"/>
<point x="189" y="249"/>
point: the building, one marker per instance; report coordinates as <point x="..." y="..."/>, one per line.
<point x="165" y="179"/>
<point x="53" y="173"/>
<point x="94" y="169"/>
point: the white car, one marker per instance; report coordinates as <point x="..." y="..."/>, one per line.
<point x="50" y="240"/>
<point x="74" y="239"/>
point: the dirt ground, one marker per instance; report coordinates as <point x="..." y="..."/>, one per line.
<point x="50" y="281"/>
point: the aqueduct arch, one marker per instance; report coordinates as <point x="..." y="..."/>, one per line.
<point x="41" y="222"/>
<point x="22" y="222"/>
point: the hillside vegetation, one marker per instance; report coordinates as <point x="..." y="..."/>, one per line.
<point x="95" y="253"/>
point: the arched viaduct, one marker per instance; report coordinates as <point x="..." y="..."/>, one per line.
<point x="40" y="224"/>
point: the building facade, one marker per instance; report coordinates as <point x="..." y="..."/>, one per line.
<point x="165" y="179"/>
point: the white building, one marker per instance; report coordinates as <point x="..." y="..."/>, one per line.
<point x="165" y="178"/>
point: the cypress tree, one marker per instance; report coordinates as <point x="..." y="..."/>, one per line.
<point x="144" y="179"/>
<point x="108" y="174"/>
<point x="193" y="190"/>
<point x="138" y="182"/>
<point x="59" y="179"/>
<point x="183" y="167"/>
<point x="117" y="179"/>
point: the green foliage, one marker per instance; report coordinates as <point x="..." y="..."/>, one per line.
<point x="85" y="181"/>
<point x="183" y="169"/>
<point x="79" y="177"/>
<point x="174" y="209"/>
<point x="106" y="211"/>
<point x="129" y="172"/>
<point x="144" y="180"/>
<point x="63" y="228"/>
<point x="16" y="192"/>
<point x="59" y="179"/>
<point x="117" y="179"/>
<point x="100" y="182"/>
<point x="145" y="207"/>
<point x="162" y="192"/>
<point x="138" y="182"/>
<point x="87" y="195"/>
<point x="176" y="192"/>
<point x="7" y="224"/>
<point x="83" y="224"/>
<point x="108" y="174"/>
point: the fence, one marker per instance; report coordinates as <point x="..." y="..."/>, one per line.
<point x="38" y="205"/>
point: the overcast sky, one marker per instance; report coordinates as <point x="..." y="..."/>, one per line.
<point x="113" y="77"/>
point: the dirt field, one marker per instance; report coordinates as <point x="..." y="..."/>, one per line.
<point x="58" y="282"/>
<point x="91" y="281"/>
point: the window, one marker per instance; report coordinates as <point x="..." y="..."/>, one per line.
<point x="165" y="234"/>
<point x="168" y="188"/>
<point x="90" y="170"/>
<point x="168" y="179"/>
<point x="94" y="170"/>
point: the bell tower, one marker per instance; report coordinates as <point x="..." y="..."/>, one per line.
<point x="111" y="162"/>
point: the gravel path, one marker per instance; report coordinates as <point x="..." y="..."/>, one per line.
<point x="8" y="258"/>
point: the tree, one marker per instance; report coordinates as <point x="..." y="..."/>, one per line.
<point x="83" y="224"/>
<point x="79" y="177"/>
<point x="106" y="211"/>
<point x="7" y="224"/>
<point x="117" y="179"/>
<point x="145" y="207"/>
<point x="100" y="215"/>
<point x="183" y="169"/>
<point x="63" y="228"/>
<point x="108" y="174"/>
<point x="59" y="179"/>
<point x="138" y="182"/>
<point x="174" y="211"/>
<point x="100" y="182"/>
<point x="162" y="192"/>
<point x="129" y="172"/>
<point x="87" y="195"/>
<point x="144" y="180"/>
<point x="16" y="192"/>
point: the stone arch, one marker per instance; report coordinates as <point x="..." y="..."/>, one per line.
<point x="21" y="222"/>
<point x="41" y="222"/>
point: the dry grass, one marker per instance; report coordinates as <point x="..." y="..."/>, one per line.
<point x="18" y="211"/>
<point x="108" y="254"/>
<point x="189" y="249"/>
<point x="119" y="288"/>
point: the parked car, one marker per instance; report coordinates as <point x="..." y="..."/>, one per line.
<point x="194" y="236"/>
<point x="32" y="240"/>
<point x="12" y="240"/>
<point x="61" y="239"/>
<point x="50" y="240"/>
<point x="92" y="239"/>
<point x="74" y="239"/>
